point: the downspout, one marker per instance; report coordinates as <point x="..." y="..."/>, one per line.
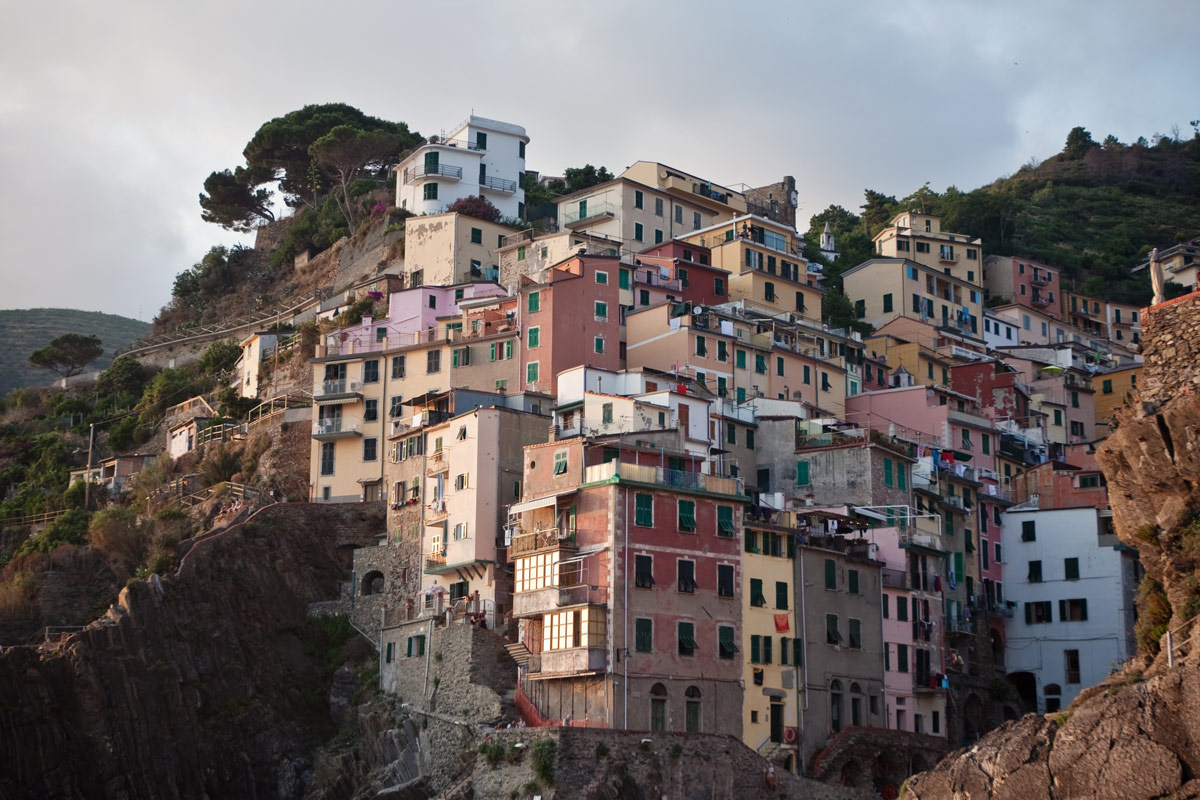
<point x="428" y="651"/>
<point x="625" y="635"/>
<point x="803" y="636"/>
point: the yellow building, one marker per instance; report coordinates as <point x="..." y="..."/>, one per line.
<point x="925" y="364"/>
<point x="920" y="238"/>
<point x="1181" y="263"/>
<point x="444" y="249"/>
<point x="765" y="265"/>
<point x="1088" y="314"/>
<point x="771" y="643"/>
<point x="884" y="289"/>
<point x="1117" y="388"/>
<point x="723" y="202"/>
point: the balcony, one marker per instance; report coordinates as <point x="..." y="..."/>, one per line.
<point x="670" y="478"/>
<point x="435" y="511"/>
<point x="1084" y="311"/>
<point x="959" y="627"/>
<point x="593" y="212"/>
<point x="948" y="256"/>
<point x="551" y="598"/>
<point x="436" y="462"/>
<point x="333" y="391"/>
<point x="572" y="662"/>
<point x="543" y="539"/>
<point x="1042" y="278"/>
<point x="1003" y="610"/>
<point x="919" y="539"/>
<point x="435" y="560"/>
<point x="894" y="578"/>
<point x="1040" y="300"/>
<point x="432" y="171"/>
<point x="329" y="429"/>
<point x="501" y="185"/>
<point x="926" y="683"/>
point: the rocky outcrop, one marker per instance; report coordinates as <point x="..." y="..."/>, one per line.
<point x="1137" y="735"/>
<point x="206" y="683"/>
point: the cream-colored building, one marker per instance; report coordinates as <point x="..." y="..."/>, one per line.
<point x="527" y="254"/>
<point x="920" y="238"/>
<point x="451" y="248"/>
<point x="1181" y="263"/>
<point x="765" y="265"/>
<point x="884" y="289"/>
<point x="474" y="470"/>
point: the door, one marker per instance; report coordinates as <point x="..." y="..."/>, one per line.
<point x="658" y="714"/>
<point x="776" y="722"/>
<point x="431" y="163"/>
<point x="693" y="716"/>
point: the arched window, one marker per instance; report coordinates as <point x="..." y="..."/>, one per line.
<point x="692" y="707"/>
<point x="658" y="707"/>
<point x="372" y="583"/>
<point x="835" y="705"/>
<point x="856" y="703"/>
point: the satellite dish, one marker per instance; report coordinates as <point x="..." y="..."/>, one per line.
<point x="697" y="309"/>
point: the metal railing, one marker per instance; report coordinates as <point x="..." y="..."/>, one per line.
<point x="894" y="578"/>
<point x="539" y="540"/>
<point x="591" y="210"/>
<point x="432" y="171"/>
<point x="336" y="387"/>
<point x="1172" y="645"/>
<point x="35" y="519"/>
<point x="499" y="184"/>
<point x="334" y="425"/>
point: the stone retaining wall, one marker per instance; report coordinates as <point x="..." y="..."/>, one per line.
<point x="1171" y="345"/>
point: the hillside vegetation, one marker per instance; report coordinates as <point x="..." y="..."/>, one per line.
<point x="1095" y="210"/>
<point x="28" y="329"/>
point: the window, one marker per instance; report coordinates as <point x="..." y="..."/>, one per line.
<point x="726" y="648"/>
<point x="1029" y="531"/>
<point x="601" y="311"/>
<point x="724" y="580"/>
<point x="601" y="278"/>
<point x="371" y="371"/>
<point x="1072" y="610"/>
<point x="658" y="707"/>
<point x="902" y="658"/>
<point x="701" y="346"/>
<point x="638" y="199"/>
<point x="852" y="581"/>
<point x="643" y="567"/>
<point x="460" y="357"/>
<point x="658" y="237"/>
<point x="781" y="595"/>
<point x="1107" y="386"/>
<point x="521" y="253"/>
<point x="779" y="366"/>
<point x="531" y="372"/>
<point x="725" y="521"/>
<point x="1071" y="569"/>
<point x="327" y="449"/>
<point x="887" y="303"/>
<point x="830" y="574"/>
<point x="687" y="516"/>
<point x="433" y="361"/>
<point x="1072" y="665"/>
<point x="560" y="463"/>
<point x="643" y="635"/>
<point x="687" y="639"/>
<point x="623" y="279"/>
<point x="1037" y="613"/>
<point x="430" y="191"/>
<point x="658" y="207"/>
<point x="535" y="337"/>
<point x="476" y="236"/>
<point x="757" y="599"/>
<point x="397" y="367"/>
<point x="696" y="220"/>
<point x="887" y="472"/>
<point x="966" y="439"/>
<point x="1035" y="571"/>
<point x="396" y="408"/>
<point x="598" y="344"/>
<point x="901" y="609"/>
<point x="643" y="510"/>
<point x="769" y="292"/>
<point x="638" y="232"/>
<point x="832" y="636"/>
<point x="998" y="550"/>
<point x="679" y="214"/>
<point x="371" y="410"/>
<point x="370" y="449"/>
<point x="685" y="572"/>
<point x="416" y="646"/>
<point x="985" y="442"/>
<point x="719" y="287"/>
<point x="856" y="634"/>
<point x="535" y="302"/>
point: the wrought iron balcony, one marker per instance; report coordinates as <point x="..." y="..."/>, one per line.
<point x="498" y="184"/>
<point x="432" y="171"/>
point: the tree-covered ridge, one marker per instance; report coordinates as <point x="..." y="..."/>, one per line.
<point x="1095" y="210"/>
<point x="25" y="330"/>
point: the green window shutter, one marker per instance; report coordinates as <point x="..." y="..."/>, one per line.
<point x="1083" y="609"/>
<point x="535" y="337"/>
<point x="1062" y="610"/>
<point x="958" y="566"/>
<point x="830" y="574"/>
<point x="410" y="647"/>
<point x="887" y="472"/>
<point x="791" y="547"/>
<point x="901" y="477"/>
<point x="802" y="477"/>
<point x="756" y="593"/>
<point x="755" y="649"/>
<point x="644" y="510"/>
<point x="535" y="302"/>
<point x="1029" y="613"/>
<point x="1071" y="569"/>
<point x="390" y="648"/>
<point x="781" y="594"/>
<point x="766" y="649"/>
<point x="887" y="657"/>
<point x="798" y="652"/>
<point x="420" y="645"/>
<point x="740" y="359"/>
<point x="902" y="658"/>
<point x="853" y="580"/>
<point x="643" y="635"/>
<point x="725" y="520"/>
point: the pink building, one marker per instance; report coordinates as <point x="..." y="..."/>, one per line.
<point x="700" y="283"/>
<point x="1024" y="282"/>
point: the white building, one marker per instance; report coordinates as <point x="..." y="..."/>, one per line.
<point x="478" y="157"/>
<point x="1074" y="585"/>
<point x="998" y="331"/>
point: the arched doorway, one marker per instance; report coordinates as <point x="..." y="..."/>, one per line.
<point x="372" y="583"/>
<point x="835" y="706"/>
<point x="1026" y="685"/>
<point x="851" y="774"/>
<point x="658" y="707"/>
<point x="692" y="709"/>
<point x="917" y="764"/>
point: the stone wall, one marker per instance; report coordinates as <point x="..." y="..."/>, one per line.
<point x="284" y="465"/>
<point x="1171" y="344"/>
<point x="464" y="672"/>
<point x="386" y="580"/>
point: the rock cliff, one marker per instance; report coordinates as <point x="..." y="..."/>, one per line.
<point x="1138" y="734"/>
<point x="208" y="683"/>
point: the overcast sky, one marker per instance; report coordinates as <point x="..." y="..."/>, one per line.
<point x="112" y="114"/>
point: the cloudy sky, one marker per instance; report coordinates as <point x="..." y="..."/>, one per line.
<point x="112" y="114"/>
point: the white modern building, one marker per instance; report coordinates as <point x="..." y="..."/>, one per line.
<point x="998" y="331"/>
<point x="477" y="157"/>
<point x="1074" y="584"/>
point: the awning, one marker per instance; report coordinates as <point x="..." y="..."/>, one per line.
<point x="338" y="399"/>
<point x="541" y="502"/>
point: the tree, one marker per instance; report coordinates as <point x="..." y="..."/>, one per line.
<point x="840" y="221"/>
<point x="220" y="357"/>
<point x="1079" y="141"/>
<point x="231" y="199"/>
<point x="476" y="206"/>
<point x="346" y="152"/>
<point x="585" y="177"/>
<point x="67" y="354"/>
<point x="877" y="210"/>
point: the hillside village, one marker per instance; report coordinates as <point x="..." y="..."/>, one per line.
<point x="632" y="480"/>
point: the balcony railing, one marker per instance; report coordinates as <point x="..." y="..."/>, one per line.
<point x="1004" y="610"/>
<point x="948" y="256"/>
<point x="498" y="184"/>
<point x="549" y="598"/>
<point x="433" y="171"/>
<point x="435" y="560"/>
<point x="592" y="211"/>
<point x="540" y="540"/>
<point x="336" y="387"/>
<point x="672" y="478"/>
<point x="334" y="425"/>
<point x="894" y="578"/>
<point x="1042" y="279"/>
<point x="960" y="626"/>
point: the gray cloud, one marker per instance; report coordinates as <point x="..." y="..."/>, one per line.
<point x="112" y="114"/>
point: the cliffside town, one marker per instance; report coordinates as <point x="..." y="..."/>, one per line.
<point x="619" y="475"/>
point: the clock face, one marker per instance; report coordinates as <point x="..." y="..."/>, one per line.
<point x="795" y="197"/>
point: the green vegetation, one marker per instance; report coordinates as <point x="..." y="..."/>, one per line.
<point x="601" y="750"/>
<point x="26" y="330"/>
<point x="68" y="354"/>
<point x="542" y="756"/>
<point x="1095" y="210"/>
<point x="574" y="179"/>
<point x="492" y="753"/>
<point x="1153" y="615"/>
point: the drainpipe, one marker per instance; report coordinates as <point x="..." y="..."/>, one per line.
<point x="428" y="651"/>
<point x="625" y="635"/>
<point x="803" y="636"/>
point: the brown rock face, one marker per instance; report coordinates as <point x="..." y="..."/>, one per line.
<point x="195" y="686"/>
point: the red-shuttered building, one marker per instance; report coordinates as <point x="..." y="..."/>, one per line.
<point x="627" y="586"/>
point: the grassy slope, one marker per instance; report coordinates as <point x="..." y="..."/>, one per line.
<point x="28" y="329"/>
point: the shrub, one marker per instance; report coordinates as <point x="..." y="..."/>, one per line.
<point x="541" y="758"/>
<point x="116" y="534"/>
<point x="676" y="750"/>
<point x="70" y="528"/>
<point x="1148" y="533"/>
<point x="601" y="750"/>
<point x="513" y="754"/>
<point x="492" y="753"/>
<point x="1154" y="615"/>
